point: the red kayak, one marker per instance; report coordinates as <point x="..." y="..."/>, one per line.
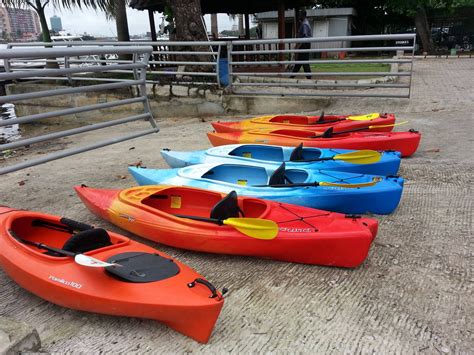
<point x="77" y="266"/>
<point x="381" y="122"/>
<point x="303" y="235"/>
<point x="404" y="142"/>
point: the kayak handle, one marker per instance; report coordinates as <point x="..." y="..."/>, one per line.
<point x="206" y="283"/>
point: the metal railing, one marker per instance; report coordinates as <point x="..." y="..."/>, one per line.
<point x="52" y="58"/>
<point x="267" y="64"/>
<point x="184" y="63"/>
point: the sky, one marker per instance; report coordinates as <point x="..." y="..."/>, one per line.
<point x="93" y="22"/>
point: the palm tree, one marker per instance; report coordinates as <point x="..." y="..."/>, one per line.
<point x="39" y="5"/>
<point x="118" y="10"/>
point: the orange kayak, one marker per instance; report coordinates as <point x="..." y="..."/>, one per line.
<point x="404" y="142"/>
<point x="322" y="122"/>
<point x="305" y="235"/>
<point x="40" y="253"/>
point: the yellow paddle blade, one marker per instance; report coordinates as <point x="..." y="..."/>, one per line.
<point x="351" y="186"/>
<point x="388" y="125"/>
<point x="360" y="157"/>
<point x="368" y="117"/>
<point x="254" y="227"/>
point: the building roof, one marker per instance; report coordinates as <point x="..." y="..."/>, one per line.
<point x="225" y="6"/>
<point x="332" y="12"/>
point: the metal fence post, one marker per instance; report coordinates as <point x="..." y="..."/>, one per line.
<point x="229" y="65"/>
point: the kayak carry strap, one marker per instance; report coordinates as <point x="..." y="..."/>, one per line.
<point x="210" y="286"/>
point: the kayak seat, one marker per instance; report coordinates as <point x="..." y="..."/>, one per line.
<point x="297" y="153"/>
<point x="228" y="207"/>
<point x="141" y="267"/>
<point x="278" y="177"/>
<point x="87" y="240"/>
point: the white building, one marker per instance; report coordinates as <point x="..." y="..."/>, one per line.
<point x="324" y="23"/>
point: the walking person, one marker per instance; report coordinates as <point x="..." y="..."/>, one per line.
<point x="304" y="31"/>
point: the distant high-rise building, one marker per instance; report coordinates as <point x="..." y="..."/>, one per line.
<point x="56" y="24"/>
<point x="18" y="23"/>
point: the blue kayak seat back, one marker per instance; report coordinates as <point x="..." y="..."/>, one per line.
<point x="297" y="153"/>
<point x="278" y="176"/>
<point x="228" y="207"/>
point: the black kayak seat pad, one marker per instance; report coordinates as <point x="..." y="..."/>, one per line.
<point x="87" y="240"/>
<point x="297" y="153"/>
<point x="228" y="207"/>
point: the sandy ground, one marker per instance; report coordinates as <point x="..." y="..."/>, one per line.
<point x="412" y="295"/>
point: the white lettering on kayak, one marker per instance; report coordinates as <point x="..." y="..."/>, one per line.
<point x="296" y="230"/>
<point x="65" y="282"/>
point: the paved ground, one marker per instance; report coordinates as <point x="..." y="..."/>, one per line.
<point x="412" y="295"/>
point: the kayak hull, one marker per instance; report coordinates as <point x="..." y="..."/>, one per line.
<point x="404" y="142"/>
<point x="61" y="281"/>
<point x="340" y="123"/>
<point x="382" y="198"/>
<point x="305" y="235"/>
<point x="271" y="157"/>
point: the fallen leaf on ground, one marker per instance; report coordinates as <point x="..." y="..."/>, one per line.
<point x="22" y="182"/>
<point x="432" y="150"/>
<point x="121" y="177"/>
<point x="137" y="164"/>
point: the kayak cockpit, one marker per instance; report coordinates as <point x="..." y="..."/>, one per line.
<point x="204" y="203"/>
<point x="247" y="175"/>
<point x="292" y="119"/>
<point x="65" y="234"/>
<point x="261" y="152"/>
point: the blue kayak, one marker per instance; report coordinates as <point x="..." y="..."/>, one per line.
<point x="295" y="186"/>
<point x="272" y="156"/>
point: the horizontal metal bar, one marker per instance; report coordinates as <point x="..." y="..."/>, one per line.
<point x="174" y="62"/>
<point x="114" y="43"/>
<point x="85" y="60"/>
<point x="316" y="61"/>
<point x="269" y="93"/>
<point x="286" y="74"/>
<point x="328" y="39"/>
<point x="53" y="52"/>
<point x="65" y="71"/>
<point x="182" y="73"/>
<point x="73" y="151"/>
<point x="47" y="93"/>
<point x="183" y="53"/>
<point x="336" y="85"/>
<point x="319" y="50"/>
<point x="70" y="111"/>
<point x="72" y="131"/>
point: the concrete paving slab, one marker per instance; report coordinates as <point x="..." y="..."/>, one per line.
<point x="16" y="337"/>
<point x="412" y="295"/>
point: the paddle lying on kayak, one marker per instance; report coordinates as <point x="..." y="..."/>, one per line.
<point x="367" y="117"/>
<point x="330" y="131"/>
<point x="80" y="259"/>
<point x="305" y="235"/>
<point x="358" y="157"/>
<point x="253" y="227"/>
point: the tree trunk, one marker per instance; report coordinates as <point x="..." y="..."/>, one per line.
<point x="241" y="25"/>
<point x="423" y="30"/>
<point x="43" y="23"/>
<point x="121" y="21"/>
<point x="188" y="21"/>
<point x="214" y="27"/>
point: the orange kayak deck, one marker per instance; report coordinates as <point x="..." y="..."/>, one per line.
<point x="305" y="235"/>
<point x="166" y="294"/>
<point x="337" y="122"/>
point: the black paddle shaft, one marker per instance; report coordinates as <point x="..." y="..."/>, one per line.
<point x="41" y="245"/>
<point x="298" y="184"/>
<point x="202" y="219"/>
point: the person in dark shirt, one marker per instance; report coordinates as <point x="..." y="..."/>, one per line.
<point x="304" y="31"/>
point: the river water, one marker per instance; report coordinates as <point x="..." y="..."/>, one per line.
<point x="11" y="132"/>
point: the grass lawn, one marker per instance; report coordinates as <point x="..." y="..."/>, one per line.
<point x="351" y="67"/>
